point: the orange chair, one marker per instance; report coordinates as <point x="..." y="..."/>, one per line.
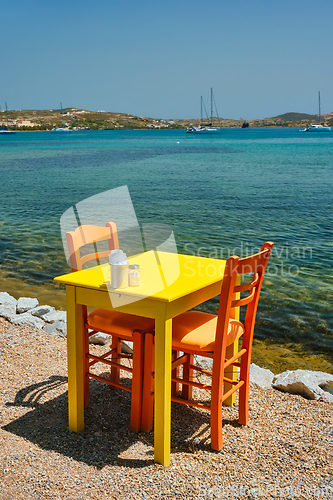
<point x="208" y="335"/>
<point x="120" y="326"/>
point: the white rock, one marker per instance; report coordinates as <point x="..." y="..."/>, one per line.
<point x="41" y="311"/>
<point x="7" y="310"/>
<point x="260" y="377"/>
<point x="306" y="383"/>
<point x="126" y="347"/>
<point x="99" y="338"/>
<point x="24" y="304"/>
<point x="26" y="319"/>
<point x="62" y="328"/>
<point x="53" y="316"/>
<point x="5" y="298"/>
<point x="56" y="328"/>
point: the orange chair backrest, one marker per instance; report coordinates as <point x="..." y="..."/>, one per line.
<point x="85" y="235"/>
<point x="230" y="294"/>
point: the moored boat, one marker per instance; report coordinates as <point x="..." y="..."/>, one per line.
<point x="317" y="127"/>
<point x="65" y="127"/>
<point x="7" y="130"/>
<point x="61" y="129"/>
<point x="205" y="128"/>
<point x="244" y="123"/>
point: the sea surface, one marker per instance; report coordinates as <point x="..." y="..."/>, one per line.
<point x="221" y="194"/>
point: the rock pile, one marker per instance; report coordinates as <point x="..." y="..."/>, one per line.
<point x="26" y="311"/>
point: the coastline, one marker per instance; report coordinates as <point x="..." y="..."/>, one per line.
<point x="82" y="119"/>
<point x="163" y="129"/>
<point x="277" y="357"/>
<point x="28" y="312"/>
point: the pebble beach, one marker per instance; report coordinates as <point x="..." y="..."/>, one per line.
<point x="284" y="452"/>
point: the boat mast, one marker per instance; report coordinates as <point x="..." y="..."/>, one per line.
<point x="319" y="108"/>
<point x="201" y="112"/>
<point x="7" y="116"/>
<point x="211" y="106"/>
<point x="62" y="116"/>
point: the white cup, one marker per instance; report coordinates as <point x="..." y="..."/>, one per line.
<point x="119" y="276"/>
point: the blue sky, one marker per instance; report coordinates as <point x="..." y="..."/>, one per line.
<point x="153" y="58"/>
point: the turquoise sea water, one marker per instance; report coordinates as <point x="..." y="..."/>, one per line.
<point x="223" y="193"/>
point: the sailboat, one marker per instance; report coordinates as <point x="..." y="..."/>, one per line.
<point x="317" y="127"/>
<point x="65" y="127"/>
<point x="202" y="128"/>
<point x="7" y="130"/>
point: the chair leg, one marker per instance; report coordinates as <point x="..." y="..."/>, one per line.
<point x="148" y="384"/>
<point x="137" y="381"/>
<point x="175" y="373"/>
<point x="216" y="409"/>
<point x="187" y="390"/>
<point x="243" y="403"/>
<point x="115" y="372"/>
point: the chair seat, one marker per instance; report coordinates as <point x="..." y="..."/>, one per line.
<point x="196" y="330"/>
<point x="120" y="324"/>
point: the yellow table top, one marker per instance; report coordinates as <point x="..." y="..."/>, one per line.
<point x="164" y="276"/>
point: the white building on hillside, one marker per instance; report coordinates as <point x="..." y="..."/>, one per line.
<point x="26" y="123"/>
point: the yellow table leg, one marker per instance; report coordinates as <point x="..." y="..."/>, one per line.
<point x="162" y="426"/>
<point x="231" y="371"/>
<point x="75" y="353"/>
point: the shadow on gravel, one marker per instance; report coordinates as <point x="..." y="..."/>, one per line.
<point x="107" y="439"/>
<point x="190" y="427"/>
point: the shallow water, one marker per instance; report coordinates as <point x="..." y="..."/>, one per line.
<point x="221" y="194"/>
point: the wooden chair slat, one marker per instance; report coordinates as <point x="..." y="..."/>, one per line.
<point x="232" y="390"/>
<point x="94" y="256"/>
<point x="179" y="361"/>
<point x="230" y="361"/>
<point x="201" y="406"/>
<point x="247" y="286"/>
<point x="201" y="370"/>
<point x="107" y="381"/>
<point x="245" y="300"/>
<point x="191" y="383"/>
<point x="109" y="363"/>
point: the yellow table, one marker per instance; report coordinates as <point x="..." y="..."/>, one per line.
<point x="170" y="285"/>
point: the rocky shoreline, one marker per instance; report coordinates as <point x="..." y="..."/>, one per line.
<point x="26" y="311"/>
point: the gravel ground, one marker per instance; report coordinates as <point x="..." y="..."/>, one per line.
<point x="284" y="452"/>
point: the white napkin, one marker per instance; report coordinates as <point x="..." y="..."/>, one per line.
<point x="117" y="258"/>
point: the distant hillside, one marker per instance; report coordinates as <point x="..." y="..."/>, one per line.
<point x="295" y="117"/>
<point x="285" y="120"/>
<point x="82" y="119"/>
<point x="289" y="120"/>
